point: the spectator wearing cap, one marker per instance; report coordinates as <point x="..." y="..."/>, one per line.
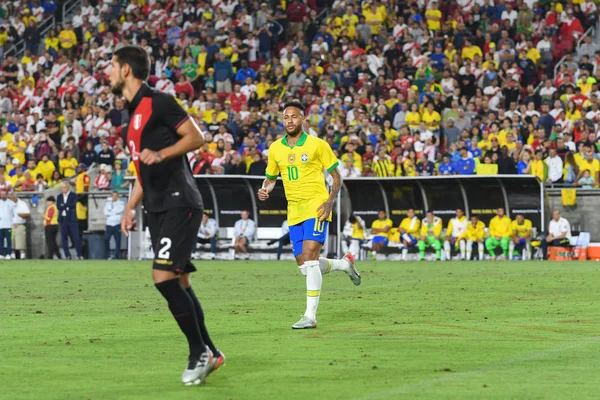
<point x="352" y="153"/>
<point x="117" y="181"/>
<point x="349" y="170"/>
<point x="465" y="165"/>
<point x="51" y="228"/>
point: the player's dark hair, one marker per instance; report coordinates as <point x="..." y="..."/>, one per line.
<point x="352" y="219"/>
<point x="295" y="104"/>
<point x="137" y="58"/>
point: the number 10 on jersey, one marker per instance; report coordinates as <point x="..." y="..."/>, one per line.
<point x="292" y="173"/>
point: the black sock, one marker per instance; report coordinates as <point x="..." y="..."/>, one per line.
<point x="202" y="325"/>
<point x="184" y="311"/>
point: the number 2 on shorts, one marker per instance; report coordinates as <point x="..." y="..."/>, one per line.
<point x="164" y="252"/>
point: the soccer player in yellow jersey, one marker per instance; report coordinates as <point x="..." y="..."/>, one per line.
<point x="475" y="234"/>
<point x="409" y="231"/>
<point x="380" y="229"/>
<point x="500" y="234"/>
<point x="300" y="160"/>
<point x="521" y="237"/>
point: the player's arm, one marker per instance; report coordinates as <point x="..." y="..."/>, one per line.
<point x="176" y="118"/>
<point x="127" y="222"/>
<point x="324" y="209"/>
<point x="329" y="161"/>
<point x="271" y="176"/>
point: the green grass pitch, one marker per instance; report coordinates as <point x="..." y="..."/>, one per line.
<point x="505" y="330"/>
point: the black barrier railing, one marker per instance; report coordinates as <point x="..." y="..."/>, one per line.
<point x="226" y="196"/>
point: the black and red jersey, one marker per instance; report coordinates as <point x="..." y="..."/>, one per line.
<point x="150" y="121"/>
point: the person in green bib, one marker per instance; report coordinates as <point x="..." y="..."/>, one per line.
<point x="431" y="230"/>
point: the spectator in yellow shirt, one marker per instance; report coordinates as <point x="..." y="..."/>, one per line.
<point x="351" y="153"/>
<point x="591" y="164"/>
<point x="470" y="50"/>
<point x="431" y="118"/>
<point x="413" y="117"/>
<point x="375" y="16"/>
<point x="67" y="164"/>
<point x="68" y="39"/>
<point x="434" y="17"/>
<point x="46" y="168"/>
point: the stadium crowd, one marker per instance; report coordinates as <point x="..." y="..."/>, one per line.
<point x="397" y="88"/>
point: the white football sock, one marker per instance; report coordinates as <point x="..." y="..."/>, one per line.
<point x="528" y="247"/>
<point x="314" y="279"/>
<point x="447" y="250"/>
<point x="404" y="253"/>
<point x="511" y="249"/>
<point x="480" y="248"/>
<point x="469" y="249"/>
<point x="355" y="248"/>
<point x="327" y="265"/>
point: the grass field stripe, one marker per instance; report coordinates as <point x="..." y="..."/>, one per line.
<point x="481" y="370"/>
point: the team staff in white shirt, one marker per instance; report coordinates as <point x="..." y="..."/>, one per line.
<point x="21" y="213"/>
<point x="559" y="233"/>
<point x="207" y="234"/>
<point x="7" y="208"/>
<point x="243" y="231"/>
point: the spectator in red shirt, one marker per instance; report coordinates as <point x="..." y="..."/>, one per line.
<point x="184" y="86"/>
<point x="237" y="98"/>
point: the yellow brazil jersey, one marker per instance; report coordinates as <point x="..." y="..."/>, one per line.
<point x="356" y="157"/>
<point x="301" y="168"/>
<point x="431" y="229"/>
<point x="46" y="168"/>
<point x="413" y="119"/>
<point x="484" y="143"/>
<point x="593" y="167"/>
<point x="476" y="232"/>
<point x="379" y="224"/>
<point x="522" y="230"/>
<point x="131" y="169"/>
<point x="18" y="150"/>
<point x="432" y="120"/>
<point x="433" y="25"/>
<point x="82" y="181"/>
<point x="539" y="169"/>
<point x="579" y="158"/>
<point x="358" y="232"/>
<point x="500" y="226"/>
<point x="67" y="167"/>
<point x="411" y="225"/>
<point x="470" y="52"/>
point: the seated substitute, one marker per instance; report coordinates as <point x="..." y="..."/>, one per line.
<point x="379" y="229"/>
<point x="284" y="240"/>
<point x="354" y="235"/>
<point x="456" y="234"/>
<point x="243" y="231"/>
<point x="409" y="231"/>
<point x="475" y="235"/>
<point x="431" y="230"/>
<point x="208" y="234"/>
<point x="500" y="234"/>
<point x="559" y="233"/>
<point x="521" y="238"/>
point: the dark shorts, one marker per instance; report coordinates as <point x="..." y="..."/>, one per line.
<point x="173" y="234"/>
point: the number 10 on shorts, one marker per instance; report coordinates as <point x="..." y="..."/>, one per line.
<point x="319" y="225"/>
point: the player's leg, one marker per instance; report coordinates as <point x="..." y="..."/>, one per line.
<point x="447" y="249"/>
<point x="480" y="248"/>
<point x="490" y="244"/>
<point x="422" y="246"/>
<point x="377" y="245"/>
<point x="218" y="356"/>
<point x="64" y="237"/>
<point x="527" y="250"/>
<point x="173" y="237"/>
<point x="469" y="249"/>
<point x="504" y="242"/>
<point x="462" y="245"/>
<point x="314" y="279"/>
<point x="437" y="246"/>
<point x="511" y="248"/>
<point x="244" y="247"/>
